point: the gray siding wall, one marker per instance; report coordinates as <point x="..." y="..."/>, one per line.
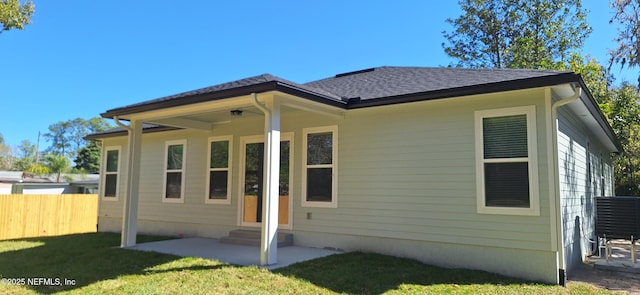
<point x="585" y="172"/>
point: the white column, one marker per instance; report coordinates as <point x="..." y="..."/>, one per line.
<point x="131" y="184"/>
<point x="271" y="191"/>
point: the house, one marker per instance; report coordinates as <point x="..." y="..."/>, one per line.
<point x="492" y="169"/>
<point x="18" y="182"/>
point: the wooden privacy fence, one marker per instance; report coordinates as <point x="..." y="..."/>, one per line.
<point x="23" y="216"/>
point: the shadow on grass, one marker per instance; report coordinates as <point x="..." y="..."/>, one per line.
<point x="365" y="273"/>
<point x="83" y="258"/>
<point x="92" y="258"/>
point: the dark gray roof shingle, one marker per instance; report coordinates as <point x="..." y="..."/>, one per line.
<point x="394" y="81"/>
<point x="232" y="88"/>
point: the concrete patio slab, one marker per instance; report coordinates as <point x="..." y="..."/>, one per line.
<point x="232" y="254"/>
<point x="620" y="259"/>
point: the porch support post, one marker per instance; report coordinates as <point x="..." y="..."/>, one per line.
<point x="131" y="184"/>
<point x="271" y="184"/>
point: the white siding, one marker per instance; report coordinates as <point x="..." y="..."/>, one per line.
<point x="583" y="165"/>
<point x="5" y="188"/>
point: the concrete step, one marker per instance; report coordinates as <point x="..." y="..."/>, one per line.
<point x="252" y="238"/>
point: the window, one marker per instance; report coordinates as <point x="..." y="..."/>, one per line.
<point x="219" y="171"/>
<point x="111" y="166"/>
<point x="174" y="171"/>
<point x="319" y="181"/>
<point x="507" y="168"/>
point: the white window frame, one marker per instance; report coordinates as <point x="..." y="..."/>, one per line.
<point x="227" y="200"/>
<point x="182" y="171"/>
<point x="534" y="196"/>
<point x="103" y="182"/>
<point x="334" y="167"/>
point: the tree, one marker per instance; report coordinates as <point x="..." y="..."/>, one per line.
<point x="88" y="158"/>
<point x="13" y="15"/>
<point x="67" y="137"/>
<point x="6" y="157"/>
<point x="627" y="14"/>
<point x="516" y="33"/>
<point x="594" y="74"/>
<point x="482" y="35"/>
<point x="58" y="136"/>
<point x="57" y="164"/>
<point x="27" y="152"/>
<point x="623" y="112"/>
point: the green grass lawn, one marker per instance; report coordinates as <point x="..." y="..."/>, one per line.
<point x="96" y="266"/>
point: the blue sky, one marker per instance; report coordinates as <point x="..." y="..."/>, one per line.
<point x="81" y="58"/>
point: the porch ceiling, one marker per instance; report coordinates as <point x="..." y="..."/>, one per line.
<point x="205" y="115"/>
<point x="206" y="120"/>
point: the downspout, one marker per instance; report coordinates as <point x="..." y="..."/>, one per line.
<point x="269" y="228"/>
<point x="577" y="91"/>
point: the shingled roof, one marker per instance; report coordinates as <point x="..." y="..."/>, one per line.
<point x="256" y="84"/>
<point x="369" y="87"/>
<point x="383" y="82"/>
<point x="372" y="87"/>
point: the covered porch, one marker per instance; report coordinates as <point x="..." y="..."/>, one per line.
<point x="208" y="112"/>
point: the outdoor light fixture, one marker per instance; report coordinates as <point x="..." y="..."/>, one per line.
<point x="236" y="113"/>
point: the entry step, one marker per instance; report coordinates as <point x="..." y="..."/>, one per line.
<point x="252" y="238"/>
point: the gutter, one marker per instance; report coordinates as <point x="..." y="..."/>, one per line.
<point x="120" y="124"/>
<point x="577" y="91"/>
<point x="257" y="104"/>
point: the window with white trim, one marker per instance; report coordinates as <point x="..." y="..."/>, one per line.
<point x="111" y="164"/>
<point x="506" y="162"/>
<point x="175" y="155"/>
<point x="219" y="170"/>
<point x="319" y="178"/>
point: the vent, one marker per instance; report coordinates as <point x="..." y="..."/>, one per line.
<point x="355" y="73"/>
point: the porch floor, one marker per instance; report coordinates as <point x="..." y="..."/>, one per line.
<point x="620" y="259"/>
<point x="232" y="254"/>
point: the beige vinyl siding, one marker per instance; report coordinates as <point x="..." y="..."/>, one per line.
<point x="406" y="186"/>
<point x="194" y="217"/>
<point x="578" y="152"/>
<point x="408" y="172"/>
<point x="405" y="171"/>
<point x="193" y="210"/>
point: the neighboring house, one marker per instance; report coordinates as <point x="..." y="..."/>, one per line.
<point x="455" y="167"/>
<point x="17" y="182"/>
